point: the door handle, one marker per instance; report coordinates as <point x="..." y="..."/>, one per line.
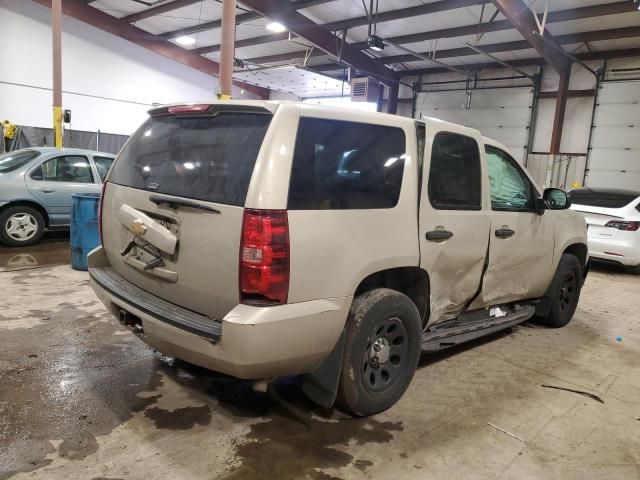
<point x="438" y="235"/>
<point x="505" y="232"/>
<point x="47" y="190"/>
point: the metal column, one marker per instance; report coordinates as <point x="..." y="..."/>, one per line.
<point x="561" y="106"/>
<point x="227" y="48"/>
<point x="56" y="37"/>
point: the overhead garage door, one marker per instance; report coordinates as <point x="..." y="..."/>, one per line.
<point x="614" y="156"/>
<point x="502" y="114"/>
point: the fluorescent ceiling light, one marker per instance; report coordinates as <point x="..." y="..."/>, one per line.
<point x="184" y="40"/>
<point x="276" y="27"/>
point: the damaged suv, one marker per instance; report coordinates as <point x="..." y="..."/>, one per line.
<point x="262" y="239"/>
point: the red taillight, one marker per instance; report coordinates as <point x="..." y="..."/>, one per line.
<point x="198" y="108"/>
<point x="264" y="257"/>
<point x="104" y="188"/>
<point x="621" y="225"/>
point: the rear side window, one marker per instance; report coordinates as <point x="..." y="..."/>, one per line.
<point x="346" y="165"/>
<point x="454" y="174"/>
<point x="13" y="160"/>
<point x="208" y="158"/>
<point x="602" y="198"/>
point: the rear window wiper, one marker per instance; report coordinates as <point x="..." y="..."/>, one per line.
<point x="179" y="202"/>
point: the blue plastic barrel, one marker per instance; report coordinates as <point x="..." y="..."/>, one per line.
<point x="85" y="235"/>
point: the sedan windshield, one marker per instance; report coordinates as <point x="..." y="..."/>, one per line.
<point x="14" y="160"/>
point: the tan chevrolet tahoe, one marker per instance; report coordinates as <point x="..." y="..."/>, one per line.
<point x="263" y="239"/>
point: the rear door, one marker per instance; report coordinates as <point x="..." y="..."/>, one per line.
<point x="521" y="241"/>
<point x="454" y="223"/>
<point x="185" y="176"/>
<point x="54" y="181"/>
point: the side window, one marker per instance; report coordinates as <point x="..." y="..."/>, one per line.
<point x="103" y="164"/>
<point x="346" y="165"/>
<point x="70" y="168"/>
<point x="455" y="181"/>
<point x="511" y="190"/>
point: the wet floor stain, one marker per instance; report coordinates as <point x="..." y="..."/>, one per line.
<point x="180" y="418"/>
<point x="56" y="251"/>
<point x="282" y="446"/>
<point x="62" y="381"/>
<point x="73" y="376"/>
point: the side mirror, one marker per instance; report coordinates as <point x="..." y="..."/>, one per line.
<point x="556" y="199"/>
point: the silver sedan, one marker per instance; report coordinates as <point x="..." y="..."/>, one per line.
<point x="36" y="185"/>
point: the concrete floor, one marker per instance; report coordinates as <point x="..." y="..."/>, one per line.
<point x="82" y="398"/>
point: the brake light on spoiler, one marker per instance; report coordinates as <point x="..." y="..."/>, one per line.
<point x="264" y="257"/>
<point x="195" y="108"/>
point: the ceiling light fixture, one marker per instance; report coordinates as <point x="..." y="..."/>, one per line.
<point x="184" y="40"/>
<point x="276" y="27"/>
<point x="375" y="42"/>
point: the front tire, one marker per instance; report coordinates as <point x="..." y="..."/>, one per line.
<point x="21" y="226"/>
<point x="634" y="270"/>
<point x="564" y="292"/>
<point x="382" y="350"/>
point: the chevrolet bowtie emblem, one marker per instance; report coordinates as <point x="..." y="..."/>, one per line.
<point x="138" y="227"/>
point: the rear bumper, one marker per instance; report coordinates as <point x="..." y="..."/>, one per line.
<point x="615" y="251"/>
<point x="249" y="342"/>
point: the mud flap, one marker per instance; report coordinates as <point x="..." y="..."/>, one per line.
<point x="321" y="385"/>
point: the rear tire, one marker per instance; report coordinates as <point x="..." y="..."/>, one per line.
<point x="564" y="292"/>
<point x="21" y="226"/>
<point x="382" y="349"/>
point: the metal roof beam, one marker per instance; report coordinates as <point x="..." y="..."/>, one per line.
<point x="282" y="11"/>
<point x="581" y="37"/>
<point x="435" y="7"/>
<point x="158" y="10"/>
<point x="525" y="21"/>
<point x="243" y="18"/>
<point x="528" y="62"/>
<point x="557" y="16"/>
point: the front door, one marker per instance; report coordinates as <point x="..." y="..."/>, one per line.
<point x="453" y="218"/>
<point x="521" y="242"/>
<point x="54" y="181"/>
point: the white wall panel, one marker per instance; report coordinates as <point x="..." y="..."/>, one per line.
<point x="502" y="114"/>
<point x="110" y="82"/>
<point x="614" y="158"/>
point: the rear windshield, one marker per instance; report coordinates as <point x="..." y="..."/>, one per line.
<point x="206" y="158"/>
<point x="13" y="160"/>
<point x="602" y="199"/>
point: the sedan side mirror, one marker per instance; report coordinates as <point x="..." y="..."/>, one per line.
<point x="556" y="199"/>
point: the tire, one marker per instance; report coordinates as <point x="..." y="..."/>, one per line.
<point x="21" y="226"/>
<point x="382" y="350"/>
<point x="564" y="292"/>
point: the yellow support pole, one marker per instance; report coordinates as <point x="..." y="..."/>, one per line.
<point x="57" y="126"/>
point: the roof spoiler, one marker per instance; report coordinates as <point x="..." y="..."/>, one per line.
<point x="206" y="109"/>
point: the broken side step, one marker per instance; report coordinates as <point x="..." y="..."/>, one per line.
<point x="472" y="325"/>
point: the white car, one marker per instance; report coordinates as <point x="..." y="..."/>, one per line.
<point x="613" y="219"/>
